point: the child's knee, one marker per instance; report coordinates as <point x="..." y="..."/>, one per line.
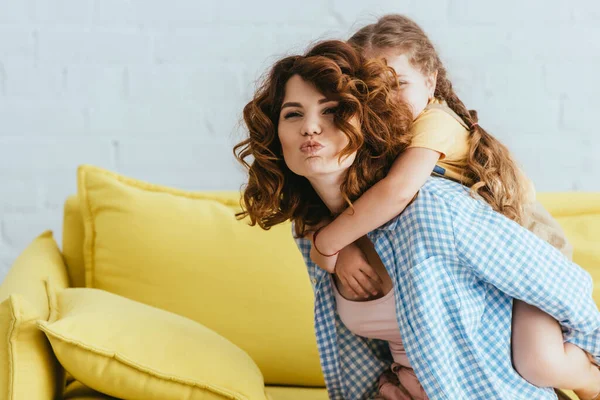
<point x="538" y="369"/>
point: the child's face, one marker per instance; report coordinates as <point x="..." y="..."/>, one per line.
<point x="415" y="88"/>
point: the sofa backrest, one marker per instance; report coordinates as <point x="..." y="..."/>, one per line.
<point x="577" y="213"/>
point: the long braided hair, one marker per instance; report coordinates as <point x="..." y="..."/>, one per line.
<point x="490" y="167"/>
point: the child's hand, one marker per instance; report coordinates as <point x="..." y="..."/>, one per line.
<point x="355" y="272"/>
<point x="323" y="262"/>
<point x="326" y="263"/>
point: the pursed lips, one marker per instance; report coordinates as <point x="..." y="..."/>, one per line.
<point x="311" y="147"/>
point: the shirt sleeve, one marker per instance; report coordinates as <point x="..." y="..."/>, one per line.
<point x="435" y="130"/>
<point x="304" y="246"/>
<point x="511" y="258"/>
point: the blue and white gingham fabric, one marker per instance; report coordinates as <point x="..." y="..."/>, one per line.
<point x="456" y="265"/>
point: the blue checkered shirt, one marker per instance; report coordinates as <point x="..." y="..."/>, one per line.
<point x="456" y="266"/>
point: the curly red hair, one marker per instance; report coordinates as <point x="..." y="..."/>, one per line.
<point x="366" y="92"/>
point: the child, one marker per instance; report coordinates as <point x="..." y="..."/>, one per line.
<point x="448" y="141"/>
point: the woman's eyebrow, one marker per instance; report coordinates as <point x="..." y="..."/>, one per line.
<point x="294" y="104"/>
<point x="290" y="104"/>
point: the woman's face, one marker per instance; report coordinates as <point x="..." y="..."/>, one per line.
<point x="310" y="140"/>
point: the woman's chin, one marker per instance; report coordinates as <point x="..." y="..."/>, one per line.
<point x="315" y="165"/>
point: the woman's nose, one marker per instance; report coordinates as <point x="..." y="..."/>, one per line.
<point x="311" y="126"/>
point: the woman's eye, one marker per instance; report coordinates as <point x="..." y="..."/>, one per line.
<point x="330" y="110"/>
<point x="291" y="115"/>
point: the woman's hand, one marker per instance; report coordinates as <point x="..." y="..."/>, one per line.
<point x="356" y="274"/>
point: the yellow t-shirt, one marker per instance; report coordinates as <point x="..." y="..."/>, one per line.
<point x="440" y="129"/>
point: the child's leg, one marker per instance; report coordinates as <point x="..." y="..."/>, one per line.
<point x="541" y="357"/>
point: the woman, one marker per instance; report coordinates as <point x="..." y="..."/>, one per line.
<point x="323" y="128"/>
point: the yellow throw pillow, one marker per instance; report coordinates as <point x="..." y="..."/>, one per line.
<point x="185" y="252"/>
<point x="40" y="261"/>
<point x="28" y="368"/>
<point x="130" y="350"/>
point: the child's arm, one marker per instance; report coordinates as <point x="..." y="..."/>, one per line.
<point x="382" y="202"/>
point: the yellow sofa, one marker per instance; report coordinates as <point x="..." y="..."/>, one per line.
<point x="186" y="253"/>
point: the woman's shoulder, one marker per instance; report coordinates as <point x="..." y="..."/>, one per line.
<point x="434" y="201"/>
<point x="438" y="189"/>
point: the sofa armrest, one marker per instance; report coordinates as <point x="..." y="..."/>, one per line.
<point x="40" y="261"/>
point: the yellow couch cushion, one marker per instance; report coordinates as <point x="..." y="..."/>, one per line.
<point x="40" y="261"/>
<point x="76" y="390"/>
<point x="72" y="241"/>
<point x="130" y="350"/>
<point x="295" y="393"/>
<point x="185" y="252"/>
<point x="28" y="368"/>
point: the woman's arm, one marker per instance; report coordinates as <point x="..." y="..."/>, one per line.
<point x="382" y="202"/>
<point x="511" y="258"/>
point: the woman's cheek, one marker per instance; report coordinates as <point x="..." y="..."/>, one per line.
<point x="286" y="143"/>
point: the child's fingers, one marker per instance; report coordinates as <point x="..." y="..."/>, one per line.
<point x="357" y="287"/>
<point x="355" y="295"/>
<point x="370" y="272"/>
<point x="366" y="283"/>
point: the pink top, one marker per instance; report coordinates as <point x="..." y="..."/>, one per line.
<point x="375" y="319"/>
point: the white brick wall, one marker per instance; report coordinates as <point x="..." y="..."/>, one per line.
<point x="154" y="89"/>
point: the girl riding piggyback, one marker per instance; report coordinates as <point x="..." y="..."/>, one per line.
<point x="447" y="140"/>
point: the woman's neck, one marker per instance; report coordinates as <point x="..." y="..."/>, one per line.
<point x="328" y="188"/>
